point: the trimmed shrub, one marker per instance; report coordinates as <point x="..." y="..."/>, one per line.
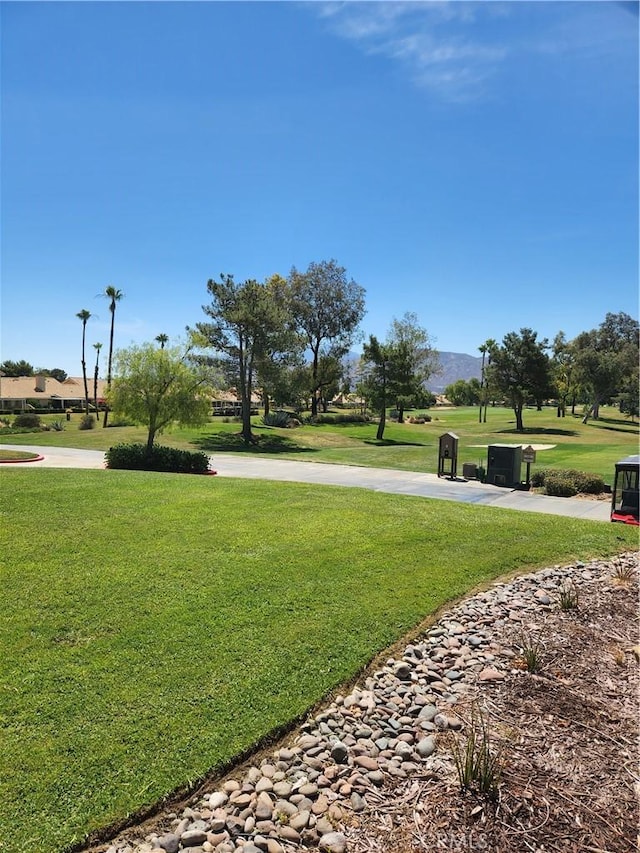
<point x="27" y="419"/>
<point x="537" y="477"/>
<point x="559" y="485"/>
<point x="588" y="484"/>
<point x="135" y="457"/>
<point x="342" y="419"/>
<point x="87" y="422"/>
<point x="580" y="481"/>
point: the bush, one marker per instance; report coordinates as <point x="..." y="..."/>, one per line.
<point x="87" y="422"/>
<point x="588" y="484"/>
<point x="279" y="418"/>
<point x="342" y="419"/>
<point x="27" y="419"/>
<point x="558" y="485"/>
<point x="135" y="457"/>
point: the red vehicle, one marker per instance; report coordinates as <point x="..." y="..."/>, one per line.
<point x="626" y="492"/>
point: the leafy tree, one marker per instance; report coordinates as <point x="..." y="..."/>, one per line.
<point x="415" y="361"/>
<point x="377" y="378"/>
<point x="520" y="369"/>
<point x="327" y="309"/>
<point x="463" y="392"/>
<point x="283" y="348"/>
<point x="97" y="347"/>
<point x="246" y="324"/>
<point x="159" y="387"/>
<point x="84" y="316"/>
<point x="57" y="373"/>
<point x="563" y="371"/>
<point x="16" y="368"/>
<point x="486" y="349"/>
<point x="114" y="296"/>
<point x="606" y="358"/>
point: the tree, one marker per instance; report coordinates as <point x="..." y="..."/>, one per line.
<point x="246" y="324"/>
<point x="463" y="392"/>
<point x="562" y="371"/>
<point x="606" y="358"/>
<point x="486" y="349"/>
<point x="114" y="296"/>
<point x="84" y="316"/>
<point x="520" y="370"/>
<point x="327" y="309"/>
<point x="162" y="339"/>
<point x="97" y="348"/>
<point x="159" y="387"/>
<point x="376" y="383"/>
<point x="415" y="361"/>
<point x="16" y="368"/>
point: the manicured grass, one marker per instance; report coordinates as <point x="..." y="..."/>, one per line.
<point x="16" y="455"/>
<point x="592" y="447"/>
<point x="155" y="625"/>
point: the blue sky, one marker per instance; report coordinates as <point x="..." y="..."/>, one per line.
<point x="476" y="163"/>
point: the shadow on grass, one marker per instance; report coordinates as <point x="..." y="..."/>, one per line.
<point x="225" y="442"/>
<point x="627" y="430"/>
<point x="389" y="442"/>
<point x="537" y="431"/>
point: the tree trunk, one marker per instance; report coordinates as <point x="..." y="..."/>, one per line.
<point x="381" y="423"/>
<point x="266" y="402"/>
<point x="109" y="363"/>
<point x="400" y="413"/>
<point x="314" y="382"/>
<point x="518" y="413"/>
<point x="95" y="391"/>
<point x="84" y="371"/>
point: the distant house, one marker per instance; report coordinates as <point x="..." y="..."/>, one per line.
<point x="23" y="393"/>
<point x="229" y="403"/>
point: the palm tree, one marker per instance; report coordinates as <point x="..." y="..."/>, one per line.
<point x="84" y="316"/>
<point x="162" y="339"/>
<point x="97" y="348"/>
<point x="113" y="295"/>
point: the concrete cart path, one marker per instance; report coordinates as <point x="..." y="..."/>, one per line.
<point x="376" y="479"/>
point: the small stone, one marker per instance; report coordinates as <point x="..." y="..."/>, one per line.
<point x="366" y="761"/>
<point x="193" y="838"/>
<point x="490" y="673"/>
<point x="426" y="747"/>
<point x="169" y="842"/>
<point x="333" y="842"/>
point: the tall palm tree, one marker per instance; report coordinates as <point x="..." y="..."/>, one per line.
<point x="84" y="316"/>
<point x="114" y="296"/>
<point x="162" y="339"/>
<point x="97" y="348"/>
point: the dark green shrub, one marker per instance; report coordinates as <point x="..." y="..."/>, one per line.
<point x="588" y="484"/>
<point x="557" y="484"/>
<point x="537" y="477"/>
<point x="135" y="457"/>
<point x="342" y="419"/>
<point x="279" y="418"/>
<point x="87" y="422"/>
<point x="27" y="419"/>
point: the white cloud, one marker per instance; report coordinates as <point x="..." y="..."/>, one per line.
<point x="426" y="38"/>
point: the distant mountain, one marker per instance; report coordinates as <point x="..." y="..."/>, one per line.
<point x="455" y="365"/>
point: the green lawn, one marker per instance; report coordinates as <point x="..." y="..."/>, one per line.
<point x="154" y="626"/>
<point x="593" y="447"/>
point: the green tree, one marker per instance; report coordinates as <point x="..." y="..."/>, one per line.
<point x="159" y="387"/>
<point x="327" y="309"/>
<point x="376" y="384"/>
<point x="520" y="370"/>
<point x="463" y="392"/>
<point x="605" y="359"/>
<point x="563" y="371"/>
<point x="162" y="339"/>
<point x="114" y="296"/>
<point x="83" y="316"/>
<point x="97" y="348"/>
<point x="246" y="323"/>
<point x="16" y="368"/>
<point x="415" y="361"/>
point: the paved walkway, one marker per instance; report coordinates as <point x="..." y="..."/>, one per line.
<point x="376" y="479"/>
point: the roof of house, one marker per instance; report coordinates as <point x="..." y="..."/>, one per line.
<point x="46" y="387"/>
